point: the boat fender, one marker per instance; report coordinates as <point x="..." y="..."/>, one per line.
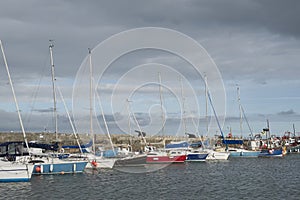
<point x="94" y="163"/>
<point x="271" y="151"/>
<point x="38" y="169"/>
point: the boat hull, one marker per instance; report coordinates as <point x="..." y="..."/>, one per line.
<point x="63" y="167"/>
<point x="247" y="154"/>
<point x="215" y="155"/>
<point x="196" y="157"/>
<point x="161" y="159"/>
<point x="101" y="163"/>
<point x="132" y="161"/>
<point x="271" y="153"/>
<point x="15" y="172"/>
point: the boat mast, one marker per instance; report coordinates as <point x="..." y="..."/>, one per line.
<point x="70" y="120"/>
<point x="53" y="87"/>
<point x="214" y="111"/>
<point x="91" y="100"/>
<point x="129" y="124"/>
<point x="105" y="123"/>
<point x="15" y="99"/>
<point x="268" y="137"/>
<point x="161" y="107"/>
<point x="294" y="130"/>
<point x="136" y="121"/>
<point x="183" y="107"/>
<point x="243" y="115"/>
<point x="206" y="104"/>
<point x="240" y="108"/>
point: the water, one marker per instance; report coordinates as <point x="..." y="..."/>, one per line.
<point x="237" y="178"/>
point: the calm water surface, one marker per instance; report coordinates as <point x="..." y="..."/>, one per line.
<point x="237" y="178"/>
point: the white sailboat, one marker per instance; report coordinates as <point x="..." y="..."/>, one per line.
<point x="214" y="154"/>
<point x="126" y="155"/>
<point x="18" y="170"/>
<point x="97" y="161"/>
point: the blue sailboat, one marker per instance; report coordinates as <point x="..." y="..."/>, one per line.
<point x="197" y="154"/>
<point x="242" y="152"/>
<point x="52" y="162"/>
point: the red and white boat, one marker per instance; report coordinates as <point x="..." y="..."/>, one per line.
<point x="165" y="157"/>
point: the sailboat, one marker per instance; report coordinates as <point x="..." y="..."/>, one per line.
<point x="15" y="168"/>
<point x="214" y="154"/>
<point x="130" y="158"/>
<point x="242" y="152"/>
<point x="97" y="161"/>
<point x="194" y="151"/>
<point x="166" y="155"/>
<point x="52" y="162"/>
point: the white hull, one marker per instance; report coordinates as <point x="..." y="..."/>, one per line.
<point x="15" y="172"/>
<point x="100" y="162"/>
<point x="216" y="155"/>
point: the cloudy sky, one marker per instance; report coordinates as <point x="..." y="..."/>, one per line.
<point x="254" y="44"/>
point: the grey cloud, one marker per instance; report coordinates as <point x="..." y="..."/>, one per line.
<point x="249" y="40"/>
<point x="47" y="110"/>
<point x="288" y="112"/>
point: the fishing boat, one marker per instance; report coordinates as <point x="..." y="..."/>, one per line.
<point x="271" y="153"/>
<point x="269" y="150"/>
<point x="12" y="168"/>
<point x="291" y="141"/>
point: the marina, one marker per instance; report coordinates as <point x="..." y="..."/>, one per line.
<point x="150" y="100"/>
<point x="232" y="179"/>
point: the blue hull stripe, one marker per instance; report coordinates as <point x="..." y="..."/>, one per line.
<point x="15" y="180"/>
<point x="196" y="157"/>
<point x="244" y="154"/>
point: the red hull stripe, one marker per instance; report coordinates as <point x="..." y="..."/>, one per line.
<point x="166" y="159"/>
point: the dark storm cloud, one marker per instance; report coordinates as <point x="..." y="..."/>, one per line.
<point x="78" y="25"/>
<point x="249" y="40"/>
